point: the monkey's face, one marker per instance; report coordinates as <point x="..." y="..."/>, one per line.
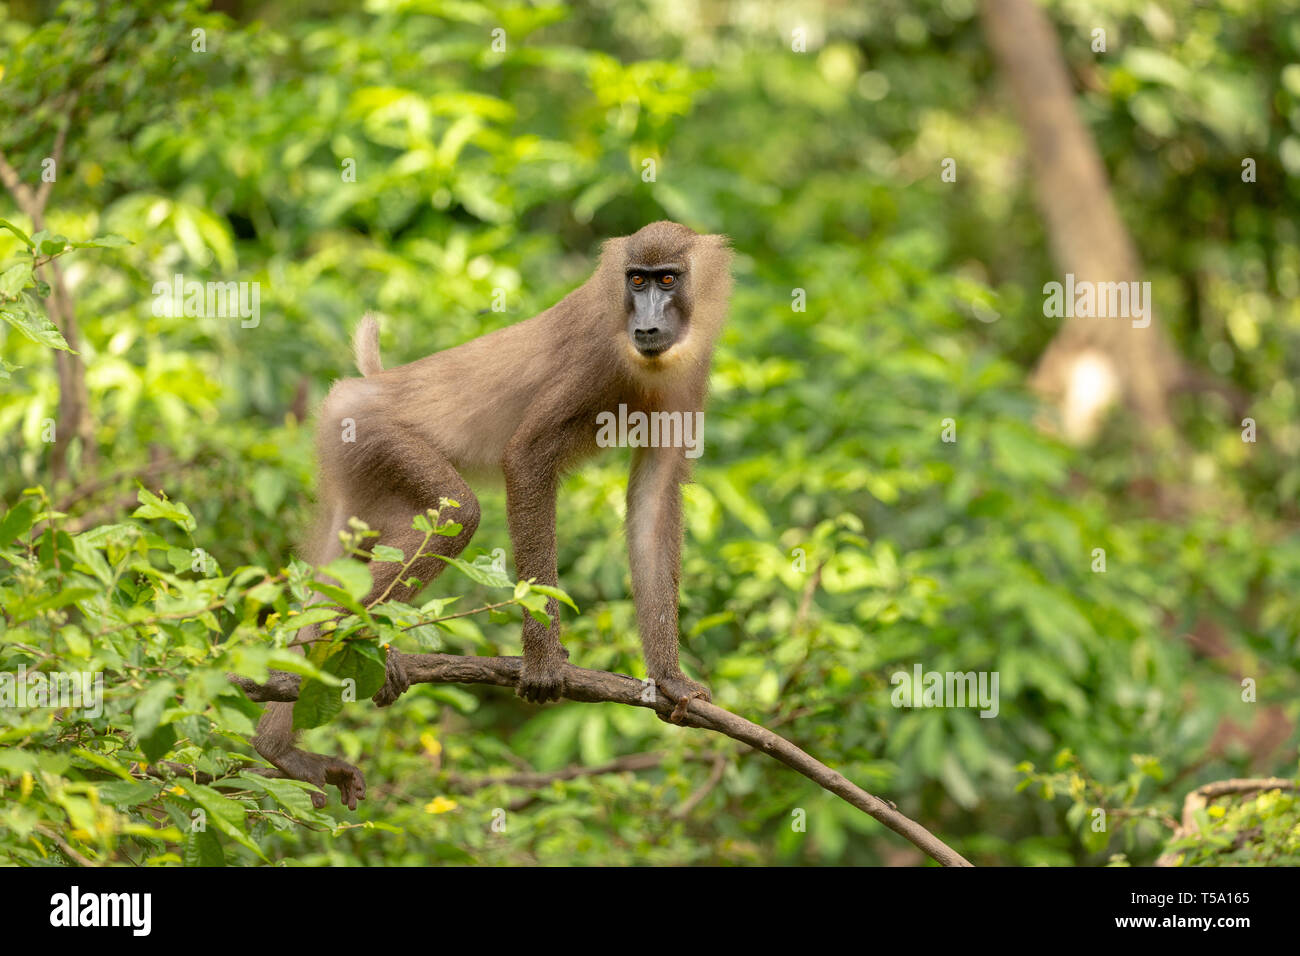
<point x="658" y="309"/>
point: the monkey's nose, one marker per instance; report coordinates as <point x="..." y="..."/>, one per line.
<point x="644" y="334"/>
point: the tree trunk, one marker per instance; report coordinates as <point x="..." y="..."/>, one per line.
<point x="74" y="419"/>
<point x="1092" y="361"/>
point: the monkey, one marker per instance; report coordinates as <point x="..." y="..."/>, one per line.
<point x="522" y="403"/>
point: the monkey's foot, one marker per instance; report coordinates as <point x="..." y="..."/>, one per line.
<point x="682" y="690"/>
<point x="320" y="770"/>
<point x="540" y="681"/>
<point x="396" y="683"/>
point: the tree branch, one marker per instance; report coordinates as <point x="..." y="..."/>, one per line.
<point x="74" y="416"/>
<point x="24" y="198"/>
<point x="696" y="798"/>
<point x="60" y="140"/>
<point x="1206" y="794"/>
<point x="590" y="686"/>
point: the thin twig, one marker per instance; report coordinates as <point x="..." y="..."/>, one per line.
<point x="76" y="857"/>
<point x="694" y="800"/>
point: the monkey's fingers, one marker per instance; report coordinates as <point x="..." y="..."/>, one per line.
<point x="319" y="770"/>
<point x="682" y="690"/>
<point x="540" y="693"/>
<point x="350" y="781"/>
<point x="540" y="684"/>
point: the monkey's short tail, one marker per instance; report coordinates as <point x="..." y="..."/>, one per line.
<point x="365" y="345"/>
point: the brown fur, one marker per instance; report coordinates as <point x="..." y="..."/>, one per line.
<point x="522" y="402"/>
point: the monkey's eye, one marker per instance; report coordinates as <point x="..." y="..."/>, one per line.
<point x="667" y="280"/>
<point x="638" y="281"/>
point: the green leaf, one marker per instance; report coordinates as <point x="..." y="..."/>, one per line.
<point x="317" y="704"/>
<point x="340" y="597"/>
<point x="269" y="487"/>
<point x="151" y="506"/>
<point x="556" y="593"/>
<point x="293" y="795"/>
<point x="158" y="744"/>
<point x="91" y="559"/>
<point x="128" y="793"/>
<point x="480" y="573"/>
<point x="51" y="246"/>
<point x="203" y="848"/>
<point x="313" y="615"/>
<point x="103" y="242"/>
<point x="14" y="279"/>
<point x="149" y="707"/>
<point x="35" y="326"/>
<point x="352" y="575"/>
<point x="359" y="661"/>
<point x="226" y="814"/>
<point x="19" y="519"/>
<point x="22" y="236"/>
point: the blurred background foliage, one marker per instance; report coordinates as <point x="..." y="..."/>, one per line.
<point x="481" y="170"/>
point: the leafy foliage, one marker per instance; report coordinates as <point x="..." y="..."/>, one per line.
<point x="832" y="538"/>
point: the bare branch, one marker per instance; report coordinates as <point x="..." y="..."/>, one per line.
<point x="590" y="686"/>
<point x="22" y="193"/>
<point x="1204" y="795"/>
<point x="65" y="846"/>
<point x="696" y="798"/>
<point x="60" y="139"/>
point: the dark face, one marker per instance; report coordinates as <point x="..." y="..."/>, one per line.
<point x="658" y="309"/>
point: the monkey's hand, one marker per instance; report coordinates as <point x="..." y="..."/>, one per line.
<point x="681" y="690"/>
<point x="396" y="683"/>
<point x="542" y="676"/>
<point x="320" y="770"/>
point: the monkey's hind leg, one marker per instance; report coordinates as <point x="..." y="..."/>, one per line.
<point x="275" y="741"/>
<point x="275" y="738"/>
<point x="393" y="518"/>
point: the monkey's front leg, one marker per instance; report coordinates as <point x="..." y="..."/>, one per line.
<point x="654" y="541"/>
<point x="530" y="508"/>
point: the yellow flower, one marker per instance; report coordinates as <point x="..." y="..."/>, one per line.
<point x="430" y="743"/>
<point x="440" y="805"/>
